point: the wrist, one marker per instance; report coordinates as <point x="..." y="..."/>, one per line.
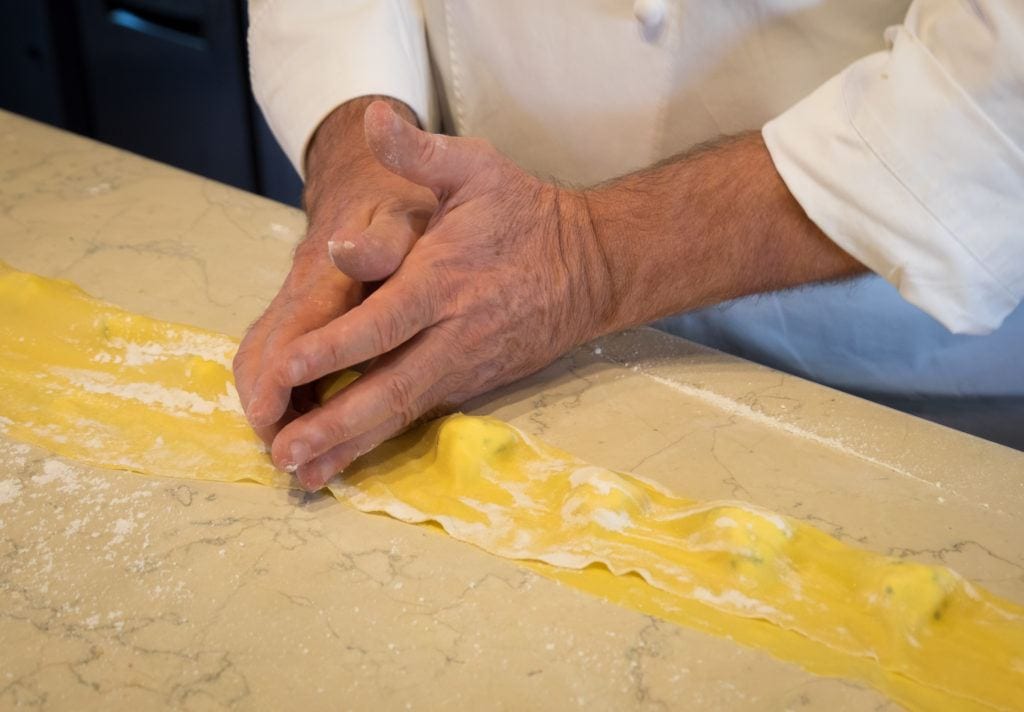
<point x="593" y="287"/>
<point x="712" y="225"/>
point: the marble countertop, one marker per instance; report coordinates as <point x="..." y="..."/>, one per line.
<point x="118" y="590"/>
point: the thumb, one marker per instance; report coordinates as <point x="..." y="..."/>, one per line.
<point x="441" y="163"/>
<point x="376" y="252"/>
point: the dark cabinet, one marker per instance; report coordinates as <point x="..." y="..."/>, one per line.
<point x="166" y="79"/>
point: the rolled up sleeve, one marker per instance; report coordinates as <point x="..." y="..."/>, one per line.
<point x="912" y="160"/>
<point x="306" y="57"/>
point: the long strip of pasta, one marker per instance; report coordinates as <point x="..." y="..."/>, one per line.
<point x="100" y="385"/>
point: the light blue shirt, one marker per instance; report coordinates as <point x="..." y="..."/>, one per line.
<point x="860" y="336"/>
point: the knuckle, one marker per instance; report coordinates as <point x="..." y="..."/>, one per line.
<point x="427" y="150"/>
<point x="388" y="329"/>
<point x="326" y="354"/>
<point x="330" y="356"/>
<point x="332" y="432"/>
<point x="399" y="391"/>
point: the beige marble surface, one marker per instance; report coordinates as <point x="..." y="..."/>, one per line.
<point x="126" y="592"/>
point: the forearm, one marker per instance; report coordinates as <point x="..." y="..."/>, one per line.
<point x="709" y="226"/>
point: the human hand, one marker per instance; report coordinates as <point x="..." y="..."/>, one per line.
<point x="506" y="278"/>
<point x="360" y="217"/>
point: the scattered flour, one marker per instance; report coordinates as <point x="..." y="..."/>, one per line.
<point x="9" y="490"/>
<point x="734" y="601"/>
<point x="210" y="347"/>
<point x="12" y="453"/>
<point x="282" y="231"/>
<point x="743" y="410"/>
<point x="122" y="528"/>
<point x="154" y="394"/>
<point x="57" y="471"/>
<point x="611" y="520"/>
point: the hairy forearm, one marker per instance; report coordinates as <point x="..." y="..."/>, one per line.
<point x="708" y="226"/>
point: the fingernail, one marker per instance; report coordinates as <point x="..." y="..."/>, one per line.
<point x="312" y="481"/>
<point x="296" y="370"/>
<point x="300" y="452"/>
<point x="252" y="413"/>
<point x="322" y="473"/>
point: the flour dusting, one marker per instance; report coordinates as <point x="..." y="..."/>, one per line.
<point x="743" y="410"/>
<point x="153" y="394"/>
<point x="14" y="454"/>
<point x="9" y="490"/>
<point x="56" y="471"/>
<point x="732" y="600"/>
<point x="122" y="528"/>
<point x="209" y="347"/>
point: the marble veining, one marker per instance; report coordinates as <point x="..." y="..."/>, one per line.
<point x="118" y="590"/>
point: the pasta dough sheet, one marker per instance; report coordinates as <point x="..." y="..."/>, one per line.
<point x="97" y="384"/>
<point x="920" y="633"/>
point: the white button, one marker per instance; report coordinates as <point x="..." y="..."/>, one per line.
<point x="651" y="16"/>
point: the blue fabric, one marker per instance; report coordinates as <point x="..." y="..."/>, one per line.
<point x="860" y="336"/>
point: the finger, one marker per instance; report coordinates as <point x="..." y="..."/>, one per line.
<point x="267" y="433"/>
<point x="268" y="392"/>
<point x="245" y="366"/>
<point x="393" y="387"/>
<point x="441" y="163"/>
<point x="303" y="400"/>
<point x="376" y="252"/>
<point x="248" y="360"/>
<point x="318" y="471"/>
<point x="388" y="318"/>
<point x="315" y="474"/>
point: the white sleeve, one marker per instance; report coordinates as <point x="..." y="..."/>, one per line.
<point x="912" y="159"/>
<point x="306" y="57"/>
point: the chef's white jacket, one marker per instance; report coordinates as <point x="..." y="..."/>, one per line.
<point x="897" y="125"/>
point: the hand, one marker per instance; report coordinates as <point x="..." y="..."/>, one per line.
<point x="505" y="279"/>
<point x="512" y="272"/>
<point x="360" y="216"/>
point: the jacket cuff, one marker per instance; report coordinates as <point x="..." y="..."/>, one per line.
<point x="306" y="59"/>
<point x="897" y="164"/>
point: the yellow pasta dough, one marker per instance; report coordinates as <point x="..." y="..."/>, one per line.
<point x="103" y="386"/>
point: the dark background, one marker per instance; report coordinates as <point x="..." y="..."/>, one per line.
<point x="167" y="79"/>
